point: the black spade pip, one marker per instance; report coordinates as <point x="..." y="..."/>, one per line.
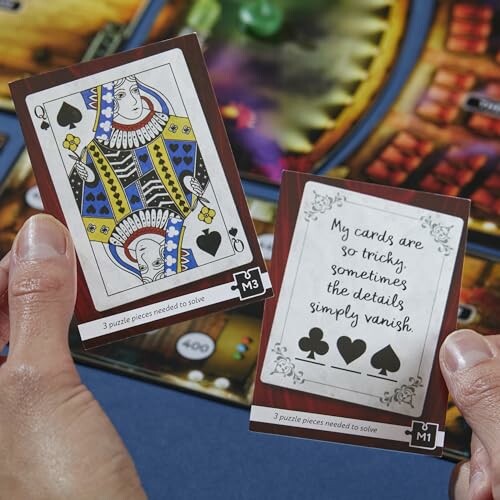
<point x="386" y="360"/>
<point x="68" y="116"/>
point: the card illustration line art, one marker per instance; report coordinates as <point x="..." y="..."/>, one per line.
<point x="138" y="179"/>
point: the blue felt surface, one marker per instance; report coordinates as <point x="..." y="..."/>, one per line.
<point x="186" y="447"/>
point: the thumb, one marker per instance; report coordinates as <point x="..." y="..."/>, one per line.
<point x="470" y="364"/>
<point x="42" y="290"/>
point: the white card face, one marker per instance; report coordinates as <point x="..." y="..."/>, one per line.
<point x="362" y="299"/>
<point x="139" y="179"/>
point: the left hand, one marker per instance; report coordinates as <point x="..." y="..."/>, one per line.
<point x="56" y="442"/>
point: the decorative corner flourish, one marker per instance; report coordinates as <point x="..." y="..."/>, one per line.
<point x="323" y="203"/>
<point x="404" y="394"/>
<point x="283" y="365"/>
<point x="439" y="232"/>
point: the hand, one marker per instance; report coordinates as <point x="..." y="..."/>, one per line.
<point x="470" y="364"/>
<point x="55" y="440"/>
<point x="193" y="185"/>
<point x="85" y="172"/>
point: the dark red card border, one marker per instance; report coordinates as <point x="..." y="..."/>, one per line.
<point x="85" y="310"/>
<point x="292" y="188"/>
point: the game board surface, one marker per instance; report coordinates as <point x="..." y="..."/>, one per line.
<point x="58" y="33"/>
<point x="438" y="135"/>
<point x="386" y="98"/>
<point x="288" y="98"/>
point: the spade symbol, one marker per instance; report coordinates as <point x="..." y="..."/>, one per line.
<point x="314" y="343"/>
<point x="386" y="360"/>
<point x="68" y="115"/>
<point x="233" y="231"/>
<point x="209" y="241"/>
<point x="45" y="125"/>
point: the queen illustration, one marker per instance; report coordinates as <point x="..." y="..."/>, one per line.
<point x="138" y="179"/>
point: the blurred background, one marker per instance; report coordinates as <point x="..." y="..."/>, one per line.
<point x="397" y="92"/>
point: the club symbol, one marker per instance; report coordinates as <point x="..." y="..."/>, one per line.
<point x="314" y="343"/>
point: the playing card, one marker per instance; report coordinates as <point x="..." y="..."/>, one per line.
<point x="137" y="173"/>
<point x="364" y="294"/>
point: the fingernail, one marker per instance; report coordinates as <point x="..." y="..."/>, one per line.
<point x="40" y="238"/>
<point x="465" y="349"/>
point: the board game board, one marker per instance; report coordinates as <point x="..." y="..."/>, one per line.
<point x="288" y="97"/>
<point x="402" y="113"/>
<point x="440" y="135"/>
<point x="59" y="33"/>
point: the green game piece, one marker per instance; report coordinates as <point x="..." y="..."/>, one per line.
<point x="203" y="16"/>
<point x="238" y="355"/>
<point x="262" y="17"/>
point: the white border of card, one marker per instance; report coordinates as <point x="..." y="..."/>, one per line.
<point x="326" y="215"/>
<point x="172" y="62"/>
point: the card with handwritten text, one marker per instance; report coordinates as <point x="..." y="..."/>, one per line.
<point x="368" y="280"/>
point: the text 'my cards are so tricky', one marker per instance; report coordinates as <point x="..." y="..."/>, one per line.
<point x="367" y="280"/>
<point x="130" y="153"/>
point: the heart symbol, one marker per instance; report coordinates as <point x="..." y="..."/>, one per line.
<point x="90" y="197"/>
<point x="104" y="210"/>
<point x="177" y="160"/>
<point x="135" y="199"/>
<point x="173" y="147"/>
<point x="349" y="349"/>
<point x="91" y="209"/>
<point x="188" y="160"/>
<point x="187" y="147"/>
<point x="143" y="158"/>
<point x="233" y="231"/>
<point x="209" y="241"/>
<point x="101" y="196"/>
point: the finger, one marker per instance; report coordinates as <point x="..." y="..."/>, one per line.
<point x="479" y="480"/>
<point x="42" y="289"/>
<point x="4" y="303"/>
<point x="459" y="482"/>
<point x="471" y="367"/>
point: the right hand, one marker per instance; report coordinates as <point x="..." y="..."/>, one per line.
<point x="470" y="364"/>
<point x="85" y="172"/>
